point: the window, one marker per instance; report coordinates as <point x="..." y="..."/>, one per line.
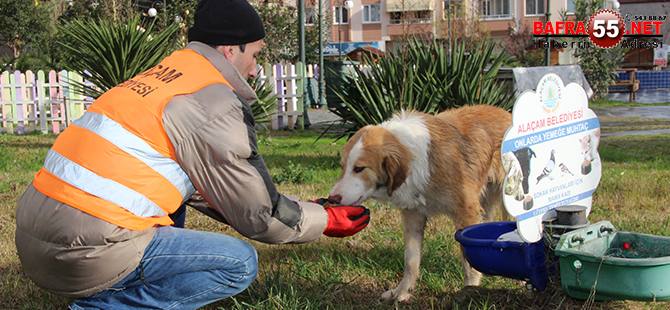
<point x="494" y="9"/>
<point x="344" y="16"/>
<point x="411" y="17"/>
<point x="502" y="7"/>
<point x="310" y="16"/>
<point x="372" y="13"/>
<point x="486" y="8"/>
<point x="534" y="7"/>
<point x="571" y="6"/>
<point x="453" y="6"/>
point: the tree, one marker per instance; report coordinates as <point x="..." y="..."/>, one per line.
<point x="23" y="22"/>
<point x="463" y="24"/>
<point x="280" y="20"/>
<point x="281" y="33"/>
<point x="182" y="12"/>
<point x="597" y="63"/>
<point x="78" y="9"/>
<point x="517" y="45"/>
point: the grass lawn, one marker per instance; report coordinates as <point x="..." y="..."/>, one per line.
<point x="352" y="273"/>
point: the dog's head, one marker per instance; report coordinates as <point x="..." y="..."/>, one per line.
<point x="374" y="164"/>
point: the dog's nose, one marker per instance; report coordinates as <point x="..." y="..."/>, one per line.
<point x="335" y="199"/>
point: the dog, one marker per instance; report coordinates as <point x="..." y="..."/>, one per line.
<point x="524" y="157"/>
<point x="427" y="165"/>
<point x="513" y="187"/>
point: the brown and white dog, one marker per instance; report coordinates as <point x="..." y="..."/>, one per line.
<point x="427" y="165"/>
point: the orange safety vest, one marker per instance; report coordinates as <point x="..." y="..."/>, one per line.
<point x="116" y="161"/>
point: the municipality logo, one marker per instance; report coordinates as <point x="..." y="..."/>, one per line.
<point x="550" y="90"/>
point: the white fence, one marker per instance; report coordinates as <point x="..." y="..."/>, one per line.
<point x="42" y="101"/>
<point x="289" y="85"/>
<point x="46" y="101"/>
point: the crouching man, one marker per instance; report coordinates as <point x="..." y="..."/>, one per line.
<point x="101" y="221"/>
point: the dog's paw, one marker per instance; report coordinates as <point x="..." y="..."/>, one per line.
<point x="388" y="295"/>
<point x="393" y="294"/>
<point x="403" y="297"/>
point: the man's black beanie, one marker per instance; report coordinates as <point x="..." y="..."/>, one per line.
<point x="226" y="22"/>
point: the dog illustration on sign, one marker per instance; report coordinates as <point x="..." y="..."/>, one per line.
<point x="515" y="176"/>
<point x="524" y="156"/>
<point x="517" y="165"/>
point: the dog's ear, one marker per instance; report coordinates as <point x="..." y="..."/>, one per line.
<point x="397" y="168"/>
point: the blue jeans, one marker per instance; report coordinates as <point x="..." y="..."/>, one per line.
<point x="181" y="269"/>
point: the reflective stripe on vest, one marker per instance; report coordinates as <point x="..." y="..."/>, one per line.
<point x="107" y="189"/>
<point x="116" y="161"/>
<point x="138" y="148"/>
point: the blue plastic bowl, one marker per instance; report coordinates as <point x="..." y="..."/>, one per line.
<point x="515" y="260"/>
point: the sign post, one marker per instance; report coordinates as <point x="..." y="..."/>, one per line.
<point x="661" y="56"/>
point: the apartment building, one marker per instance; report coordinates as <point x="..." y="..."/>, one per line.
<point x="384" y="24"/>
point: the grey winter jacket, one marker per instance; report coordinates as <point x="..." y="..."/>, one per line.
<point x="73" y="254"/>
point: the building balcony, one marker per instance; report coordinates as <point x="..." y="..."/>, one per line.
<point x="495" y="25"/>
<point x="497" y="17"/>
<point x="410" y="21"/>
<point x="403" y="28"/>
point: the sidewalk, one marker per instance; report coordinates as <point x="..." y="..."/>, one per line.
<point x="650" y="111"/>
<point x="660" y="112"/>
<point x="321" y="117"/>
<point x="324" y="116"/>
<point x="644" y="96"/>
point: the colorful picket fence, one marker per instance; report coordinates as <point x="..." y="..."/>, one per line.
<point x="46" y="101"/>
<point x="289" y="85"/>
<point x="42" y="101"/>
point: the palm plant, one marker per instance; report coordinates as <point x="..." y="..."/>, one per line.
<point x="267" y="101"/>
<point x="108" y="52"/>
<point x="425" y="77"/>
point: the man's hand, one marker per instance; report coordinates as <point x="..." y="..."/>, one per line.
<point x="320" y="201"/>
<point x="344" y="221"/>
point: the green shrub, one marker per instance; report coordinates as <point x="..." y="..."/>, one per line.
<point x="7" y="63"/>
<point x="293" y="173"/>
<point x="425" y="77"/>
<point x="109" y="52"/>
<point x="23" y="63"/>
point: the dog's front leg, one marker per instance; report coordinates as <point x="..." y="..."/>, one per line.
<point x="414" y="224"/>
<point x="472" y="277"/>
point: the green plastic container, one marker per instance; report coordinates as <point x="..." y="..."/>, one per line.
<point x="608" y="264"/>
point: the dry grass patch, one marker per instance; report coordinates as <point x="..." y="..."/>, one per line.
<point x="353" y="272"/>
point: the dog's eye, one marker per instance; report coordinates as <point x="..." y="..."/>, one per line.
<point x="358" y="169"/>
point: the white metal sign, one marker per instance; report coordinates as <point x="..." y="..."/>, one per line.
<point x="550" y="154"/>
<point x="661" y="56"/>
